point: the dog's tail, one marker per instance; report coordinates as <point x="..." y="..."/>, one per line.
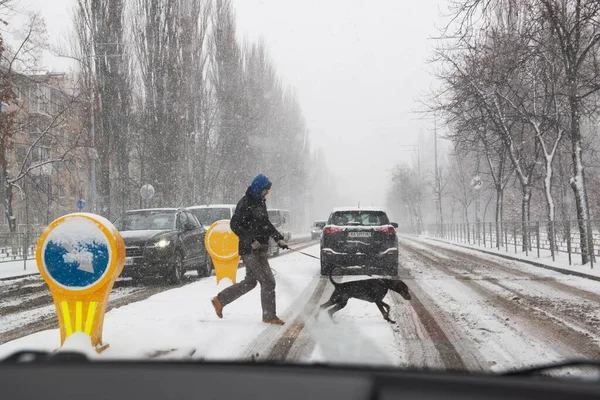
<point x="331" y="278"/>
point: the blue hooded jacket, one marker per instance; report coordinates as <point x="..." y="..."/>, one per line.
<point x="250" y="221"/>
<point x="258" y="184"/>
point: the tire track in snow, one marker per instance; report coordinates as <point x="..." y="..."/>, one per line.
<point x="429" y="342"/>
<point x="261" y="347"/>
<point x="282" y="347"/>
<point x="556" y="335"/>
<point x="581" y="316"/>
<point x="549" y="281"/>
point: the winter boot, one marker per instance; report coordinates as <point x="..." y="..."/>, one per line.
<point x="218" y="306"/>
<point x="274" y="321"/>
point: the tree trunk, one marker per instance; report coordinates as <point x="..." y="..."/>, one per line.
<point x="525" y="207"/>
<point x="8" y="209"/>
<point x="578" y="181"/>
<point x="498" y="216"/>
<point x="550" y="203"/>
<point x="467" y="222"/>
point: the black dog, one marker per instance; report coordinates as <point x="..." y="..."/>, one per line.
<point x="371" y="290"/>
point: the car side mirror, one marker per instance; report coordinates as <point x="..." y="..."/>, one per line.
<point x="394" y="224"/>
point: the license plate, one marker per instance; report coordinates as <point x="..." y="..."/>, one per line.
<point x="129" y="261"/>
<point x="359" y="234"/>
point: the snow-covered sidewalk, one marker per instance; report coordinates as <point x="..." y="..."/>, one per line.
<point x="181" y="323"/>
<point x="560" y="264"/>
<point x="17" y="269"/>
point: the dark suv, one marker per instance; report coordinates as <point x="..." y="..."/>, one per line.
<point x="359" y="237"/>
<point x="165" y="241"/>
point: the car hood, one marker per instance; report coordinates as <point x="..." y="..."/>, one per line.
<point x="143" y="236"/>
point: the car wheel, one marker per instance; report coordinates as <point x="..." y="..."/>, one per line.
<point x="207" y="268"/>
<point x="177" y="270"/>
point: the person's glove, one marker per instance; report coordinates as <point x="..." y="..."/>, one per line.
<point x="282" y="244"/>
<point x="255" y="245"/>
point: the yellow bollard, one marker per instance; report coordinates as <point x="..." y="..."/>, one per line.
<point x="80" y="256"/>
<point x="222" y="245"/>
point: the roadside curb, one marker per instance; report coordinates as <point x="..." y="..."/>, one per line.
<point x="534" y="263"/>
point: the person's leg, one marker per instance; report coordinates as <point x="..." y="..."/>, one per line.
<point x="233" y="292"/>
<point x="264" y="276"/>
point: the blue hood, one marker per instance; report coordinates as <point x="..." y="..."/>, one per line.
<point x="258" y="184"/>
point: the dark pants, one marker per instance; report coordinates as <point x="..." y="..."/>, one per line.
<point x="257" y="270"/>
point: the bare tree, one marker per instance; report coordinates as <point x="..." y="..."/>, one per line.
<point x="101" y="37"/>
<point x="407" y="190"/>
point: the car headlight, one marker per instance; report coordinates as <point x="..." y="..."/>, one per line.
<point x="162" y="243"/>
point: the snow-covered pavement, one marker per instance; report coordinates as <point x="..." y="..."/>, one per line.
<point x="16" y="269"/>
<point x="469" y="311"/>
<point x="181" y="323"/>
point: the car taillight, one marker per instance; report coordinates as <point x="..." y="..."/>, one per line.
<point x="388" y="230"/>
<point x="328" y="230"/>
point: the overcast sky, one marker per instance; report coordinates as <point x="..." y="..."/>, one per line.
<point x="358" y="67"/>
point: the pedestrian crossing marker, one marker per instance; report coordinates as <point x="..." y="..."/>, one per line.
<point x="222" y="245"/>
<point x="80" y="256"/>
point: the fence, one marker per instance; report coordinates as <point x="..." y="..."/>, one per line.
<point x="510" y="235"/>
<point x="18" y="246"/>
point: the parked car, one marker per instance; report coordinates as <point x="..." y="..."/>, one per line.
<point x="163" y="241"/>
<point x="210" y="213"/>
<point x="316" y="229"/>
<point x="359" y="237"/>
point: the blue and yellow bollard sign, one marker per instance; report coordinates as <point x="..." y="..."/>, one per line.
<point x="80" y="256"/>
<point x="222" y="245"/>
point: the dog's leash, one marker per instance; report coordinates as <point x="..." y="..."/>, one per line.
<point x="306" y="254"/>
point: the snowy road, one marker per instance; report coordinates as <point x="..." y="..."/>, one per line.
<point x="498" y="314"/>
<point x="469" y="311"/>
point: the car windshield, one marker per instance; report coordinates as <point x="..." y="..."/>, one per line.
<point x="451" y="149"/>
<point x="146" y="221"/>
<point x="275" y="217"/>
<point x="208" y="216"/>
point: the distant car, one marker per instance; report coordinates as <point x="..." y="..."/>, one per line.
<point x="359" y="237"/>
<point x="281" y="220"/>
<point x="211" y="213"/>
<point x="317" y="229"/>
<point x="163" y="241"/>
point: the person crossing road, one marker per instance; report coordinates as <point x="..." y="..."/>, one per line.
<point x="250" y="222"/>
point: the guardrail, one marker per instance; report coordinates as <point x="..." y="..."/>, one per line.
<point x="511" y="236"/>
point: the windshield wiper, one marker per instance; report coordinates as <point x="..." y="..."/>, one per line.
<point x="554" y="366"/>
<point x="45" y="356"/>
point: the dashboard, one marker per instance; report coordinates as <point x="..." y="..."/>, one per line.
<point x="175" y="380"/>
